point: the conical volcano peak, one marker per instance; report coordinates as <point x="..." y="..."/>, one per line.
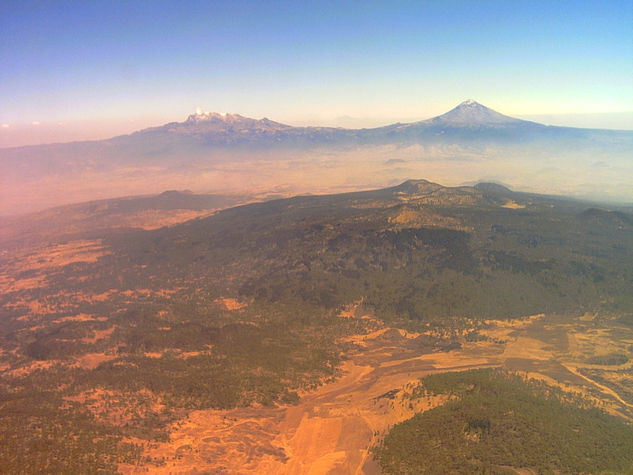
<point x="470" y="113"/>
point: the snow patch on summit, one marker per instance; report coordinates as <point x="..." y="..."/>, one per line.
<point x="202" y="115"/>
<point x="470" y="113"/>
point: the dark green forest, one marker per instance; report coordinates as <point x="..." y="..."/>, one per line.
<point x="496" y="420"/>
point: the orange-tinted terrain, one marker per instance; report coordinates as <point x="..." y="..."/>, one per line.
<point x="229" y="343"/>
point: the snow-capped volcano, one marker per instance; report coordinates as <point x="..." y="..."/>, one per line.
<point x="470" y="113"/>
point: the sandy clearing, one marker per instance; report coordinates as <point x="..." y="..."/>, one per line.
<point x="34" y="366"/>
<point x="145" y="293"/>
<point x="155" y="218"/>
<point x="329" y="431"/>
<point x="92" y="360"/>
<point x="9" y="284"/>
<point x="99" y="335"/>
<point x="80" y="317"/>
<point x="230" y="303"/>
<point x="361" y="340"/>
<point x="332" y="428"/>
<point x="524" y="347"/>
<point x="510" y="204"/>
<point x="56" y="256"/>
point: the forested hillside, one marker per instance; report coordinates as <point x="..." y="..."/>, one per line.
<point x="495" y="421"/>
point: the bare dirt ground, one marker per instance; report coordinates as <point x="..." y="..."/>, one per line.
<point x="333" y="427"/>
<point x="329" y="431"/>
<point x="38" y="263"/>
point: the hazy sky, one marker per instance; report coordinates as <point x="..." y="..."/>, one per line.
<point x="96" y="66"/>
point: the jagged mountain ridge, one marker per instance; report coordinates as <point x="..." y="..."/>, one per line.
<point x="459" y="122"/>
<point x="209" y="122"/>
<point x="213" y="129"/>
<point x="469" y="124"/>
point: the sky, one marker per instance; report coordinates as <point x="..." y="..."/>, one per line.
<point x="78" y="70"/>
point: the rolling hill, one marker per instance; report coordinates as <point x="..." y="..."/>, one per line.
<point x="93" y="218"/>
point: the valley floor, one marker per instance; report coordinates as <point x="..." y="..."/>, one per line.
<point x="332" y="428"/>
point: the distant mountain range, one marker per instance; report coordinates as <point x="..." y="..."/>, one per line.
<point x="208" y="142"/>
<point x="468" y="121"/>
